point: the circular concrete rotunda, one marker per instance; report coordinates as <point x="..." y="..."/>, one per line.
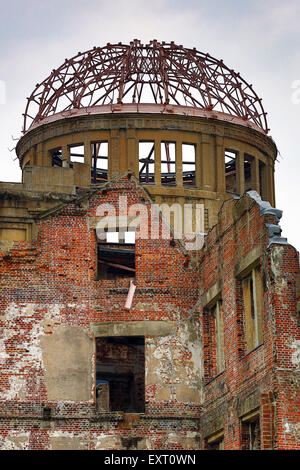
<point x="189" y="128"/>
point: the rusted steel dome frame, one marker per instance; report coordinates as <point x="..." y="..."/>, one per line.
<point x="121" y="73"/>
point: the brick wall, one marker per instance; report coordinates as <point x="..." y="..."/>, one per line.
<point x="50" y="297"/>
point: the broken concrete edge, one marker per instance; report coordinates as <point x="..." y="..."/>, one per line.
<point x="266" y="209"/>
<point x="264" y="206"/>
<point x="154" y="328"/>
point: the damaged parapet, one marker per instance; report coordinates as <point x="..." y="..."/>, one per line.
<point x="266" y="209"/>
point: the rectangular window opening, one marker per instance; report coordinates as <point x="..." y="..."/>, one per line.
<point x="76" y="154"/>
<point x="249" y="161"/>
<point x="116" y="255"/>
<point x="252" y="301"/>
<point x="231" y="171"/>
<point x="120" y="374"/>
<point x="189" y="164"/>
<point x="215" y="442"/>
<point x="56" y="157"/>
<point x="168" y="163"/>
<point x="99" y="168"/>
<point x="214" y="339"/>
<point x="146" y="162"/>
<point x="262" y="180"/>
<point x="250" y="430"/>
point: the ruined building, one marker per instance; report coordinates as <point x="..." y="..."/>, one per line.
<point x="203" y="350"/>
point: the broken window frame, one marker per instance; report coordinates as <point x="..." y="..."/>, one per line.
<point x="109" y="254"/>
<point x="114" y="371"/>
<point x="146" y="176"/>
<point x="98" y="175"/>
<point x="188" y="173"/>
<point x="168" y="178"/>
<point x="56" y="157"/>
<point x="74" y="155"/>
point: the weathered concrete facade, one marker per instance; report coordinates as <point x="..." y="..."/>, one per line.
<point x="207" y="355"/>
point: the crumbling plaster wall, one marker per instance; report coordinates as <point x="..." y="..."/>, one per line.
<point x="50" y="299"/>
<point x="64" y="354"/>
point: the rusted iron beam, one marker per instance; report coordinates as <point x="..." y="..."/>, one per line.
<point x="168" y="73"/>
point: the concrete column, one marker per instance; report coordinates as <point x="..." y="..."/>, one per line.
<point x="123" y="152"/>
<point x="255" y="175"/>
<point x="157" y="162"/>
<point x="39" y="156"/>
<point x="132" y="152"/>
<point x="220" y="165"/>
<point x="198" y="163"/>
<point x="240" y="172"/>
<point x="272" y="189"/>
<point x="207" y="164"/>
<point x="65" y="155"/>
<point x="114" y="153"/>
<point x="88" y="152"/>
<point x="178" y="166"/>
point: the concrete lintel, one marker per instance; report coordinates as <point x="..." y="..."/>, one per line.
<point x="248" y="405"/>
<point x="212" y="294"/>
<point x="133" y="328"/>
<point x="248" y="262"/>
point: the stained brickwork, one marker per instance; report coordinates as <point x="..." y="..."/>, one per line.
<point x="50" y="296"/>
<point x="264" y="380"/>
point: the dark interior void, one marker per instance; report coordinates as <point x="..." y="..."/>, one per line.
<point x="120" y="374"/>
<point x="56" y="156"/>
<point x="248" y="167"/>
<point x="116" y="260"/>
<point x="217" y="444"/>
<point x="251" y="433"/>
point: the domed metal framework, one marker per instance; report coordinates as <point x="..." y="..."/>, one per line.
<point x="162" y="73"/>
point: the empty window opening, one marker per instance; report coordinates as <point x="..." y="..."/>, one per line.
<point x="120" y="374"/>
<point x="230" y="171"/>
<point x="248" y="171"/>
<point x="262" y="180"/>
<point x="116" y="256"/>
<point x="215" y="442"/>
<point x="56" y="157"/>
<point x="250" y="430"/>
<point x="252" y="300"/>
<point x="99" y="168"/>
<point x="214" y="340"/>
<point x="146" y="162"/>
<point x="189" y="164"/>
<point x="76" y="154"/>
<point x="168" y="163"/>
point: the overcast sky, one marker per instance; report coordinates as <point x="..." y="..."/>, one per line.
<point x="258" y="38"/>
